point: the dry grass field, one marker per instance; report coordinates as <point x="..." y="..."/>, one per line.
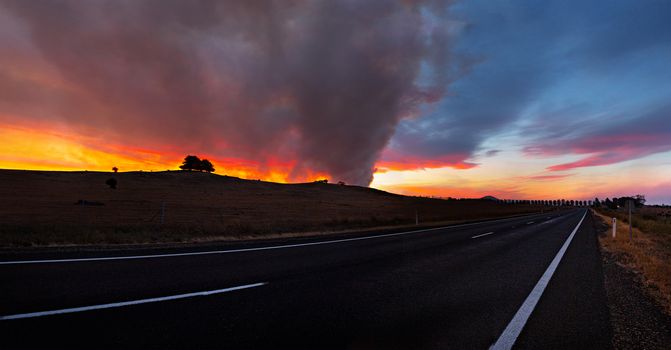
<point x="45" y="208"/>
<point x="649" y="250"/>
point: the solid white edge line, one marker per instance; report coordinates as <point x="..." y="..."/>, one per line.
<point x="17" y="262"/>
<point x="514" y="328"/>
<point x="482" y="235"/>
<point x="128" y="303"/>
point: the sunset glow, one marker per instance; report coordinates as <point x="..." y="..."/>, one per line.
<point x="461" y="100"/>
<point x="37" y="149"/>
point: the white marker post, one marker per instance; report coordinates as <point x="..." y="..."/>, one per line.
<point x="614" y="226"/>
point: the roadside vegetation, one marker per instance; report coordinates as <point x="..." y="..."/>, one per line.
<point x="648" y="253"/>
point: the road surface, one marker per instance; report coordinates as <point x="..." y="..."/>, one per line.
<point x="528" y="282"/>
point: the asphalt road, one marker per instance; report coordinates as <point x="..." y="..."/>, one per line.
<point x="454" y="287"/>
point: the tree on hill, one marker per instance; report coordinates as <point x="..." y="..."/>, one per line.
<point x="190" y="163"/>
<point x="206" y="165"/>
<point x="194" y="163"/>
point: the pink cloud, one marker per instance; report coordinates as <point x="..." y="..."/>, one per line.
<point x="548" y="177"/>
<point x="603" y="150"/>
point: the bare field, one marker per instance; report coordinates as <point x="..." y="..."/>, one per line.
<point x="49" y="207"/>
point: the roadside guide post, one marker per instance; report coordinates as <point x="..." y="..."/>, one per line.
<point x="614" y="226"/>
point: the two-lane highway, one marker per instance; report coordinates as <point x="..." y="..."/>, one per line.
<point x="454" y="287"/>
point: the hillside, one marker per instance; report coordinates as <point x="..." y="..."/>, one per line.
<point x="45" y="207"/>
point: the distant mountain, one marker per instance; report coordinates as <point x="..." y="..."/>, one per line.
<point x="490" y="198"/>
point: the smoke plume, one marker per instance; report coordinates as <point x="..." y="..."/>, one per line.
<point x="318" y="84"/>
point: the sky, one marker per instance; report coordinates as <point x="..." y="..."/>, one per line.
<point x="516" y="99"/>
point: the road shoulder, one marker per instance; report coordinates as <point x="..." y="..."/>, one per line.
<point x="572" y="312"/>
<point x="638" y="321"/>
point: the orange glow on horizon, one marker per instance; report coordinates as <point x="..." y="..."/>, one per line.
<point x="53" y="148"/>
<point x="33" y="149"/>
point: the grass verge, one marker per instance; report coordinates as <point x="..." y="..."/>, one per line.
<point x="648" y="253"/>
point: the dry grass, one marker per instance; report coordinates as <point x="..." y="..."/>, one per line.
<point x="38" y="208"/>
<point x="649" y="252"/>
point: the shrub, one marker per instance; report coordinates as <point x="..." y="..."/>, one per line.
<point x="111" y="182"/>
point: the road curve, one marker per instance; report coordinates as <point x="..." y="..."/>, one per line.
<point x="452" y="287"/>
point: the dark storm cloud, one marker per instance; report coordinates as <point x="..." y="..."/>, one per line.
<point x="319" y="83"/>
<point x="594" y="61"/>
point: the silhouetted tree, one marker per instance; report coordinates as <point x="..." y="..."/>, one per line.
<point x="115" y="169"/>
<point x="637" y="200"/>
<point x="621" y="202"/>
<point x="597" y="203"/>
<point x="607" y="203"/>
<point x="616" y="203"/>
<point x="111" y="182"/>
<point x="191" y="163"/>
<point x="205" y="165"/>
